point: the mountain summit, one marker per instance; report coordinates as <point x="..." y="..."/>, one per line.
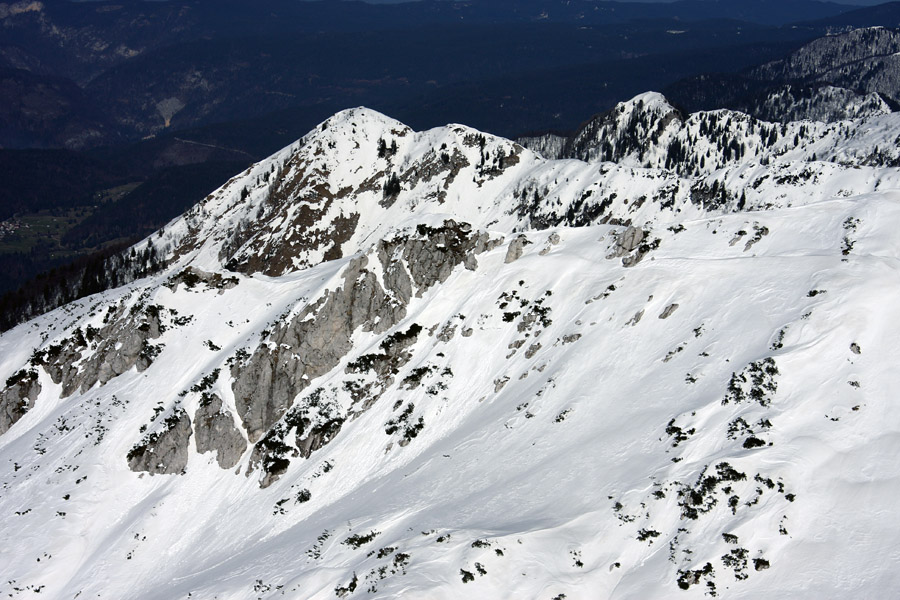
<point x="385" y="363"/>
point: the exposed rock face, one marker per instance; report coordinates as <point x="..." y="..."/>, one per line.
<point x="302" y="216"/>
<point x="192" y="276"/>
<point x="516" y="247"/>
<point x="118" y="346"/>
<point x="59" y="362"/>
<point x="444" y="166"/>
<point x="632" y="245"/>
<point x="114" y="349"/>
<point x="311" y="345"/>
<point x="17" y="398"/>
<point x="115" y="359"/>
<point x="315" y="341"/>
<point x="164" y="452"/>
<point x="215" y="430"/>
<point x="628" y="240"/>
<point x="302" y="196"/>
<point x="433" y="254"/>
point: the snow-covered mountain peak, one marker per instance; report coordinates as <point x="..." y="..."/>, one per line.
<point x="631" y="126"/>
<point x="347" y="183"/>
<point x="648" y="101"/>
<point x="360" y="175"/>
<point x="385" y="363"/>
<point x="353" y="130"/>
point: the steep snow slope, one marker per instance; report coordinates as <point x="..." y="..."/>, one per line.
<point x="490" y="375"/>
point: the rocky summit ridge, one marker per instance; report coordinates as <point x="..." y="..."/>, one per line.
<point x="385" y="363"/>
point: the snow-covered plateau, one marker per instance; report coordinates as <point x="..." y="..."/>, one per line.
<point x="394" y="364"/>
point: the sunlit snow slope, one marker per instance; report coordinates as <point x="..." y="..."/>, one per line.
<point x="387" y="364"/>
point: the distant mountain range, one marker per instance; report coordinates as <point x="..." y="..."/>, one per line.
<point x="830" y="78"/>
<point x="80" y="75"/>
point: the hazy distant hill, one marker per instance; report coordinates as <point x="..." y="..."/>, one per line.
<point x="143" y="67"/>
<point x="843" y="75"/>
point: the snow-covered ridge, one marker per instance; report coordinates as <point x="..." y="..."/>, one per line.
<point x="360" y="175"/>
<point x="385" y="363"/>
<point x="648" y="132"/>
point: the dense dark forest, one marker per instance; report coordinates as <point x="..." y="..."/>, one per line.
<point x="114" y="266"/>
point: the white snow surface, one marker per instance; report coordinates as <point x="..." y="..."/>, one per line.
<point x="561" y="459"/>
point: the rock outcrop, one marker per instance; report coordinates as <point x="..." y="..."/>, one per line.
<point x="315" y="341"/>
<point x="112" y="350"/>
<point x="310" y="345"/>
<point x="667" y="312"/>
<point x="515" y="249"/>
<point x="191" y="277"/>
<point x="628" y="240"/>
<point x="164" y="452"/>
<point x="433" y="253"/>
<point x="84" y="358"/>
<point x="632" y="245"/>
<point x="215" y="432"/>
<point x="18" y="398"/>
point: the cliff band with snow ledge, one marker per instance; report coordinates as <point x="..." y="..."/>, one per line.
<point x="385" y="363"/>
